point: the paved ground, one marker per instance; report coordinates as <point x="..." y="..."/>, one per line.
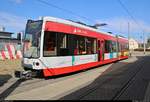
<point x="116" y="82"/>
<point x="130" y="82"/>
<point x="7" y="69"/>
<point x="55" y="88"/>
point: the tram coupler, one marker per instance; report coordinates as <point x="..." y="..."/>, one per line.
<point x="24" y="74"/>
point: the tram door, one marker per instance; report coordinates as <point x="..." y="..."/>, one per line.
<point x="100" y="50"/>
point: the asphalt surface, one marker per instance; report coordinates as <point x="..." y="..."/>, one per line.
<point x="129" y="82"/>
<point x="125" y="80"/>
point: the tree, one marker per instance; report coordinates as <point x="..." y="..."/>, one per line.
<point x="148" y="43"/>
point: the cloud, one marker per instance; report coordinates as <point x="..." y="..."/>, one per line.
<point x="11" y="21"/>
<point x="120" y="25"/>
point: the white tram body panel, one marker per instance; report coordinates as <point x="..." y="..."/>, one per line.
<point x="32" y="64"/>
<point x="67" y="61"/>
<point x="59" y="62"/>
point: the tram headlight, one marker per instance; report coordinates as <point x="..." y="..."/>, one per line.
<point x="37" y="63"/>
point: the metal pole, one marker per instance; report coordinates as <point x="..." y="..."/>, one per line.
<point x="144" y="41"/>
<point x="129" y="38"/>
<point x="22" y="33"/>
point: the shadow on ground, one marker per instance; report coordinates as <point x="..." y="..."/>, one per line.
<point x="109" y="84"/>
<point x="4" y="79"/>
<point x="105" y="87"/>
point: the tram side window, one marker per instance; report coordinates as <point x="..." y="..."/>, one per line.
<point x="50" y="44"/>
<point x="107" y="46"/>
<point x="81" y="44"/>
<point x="89" y="49"/>
<point x="119" y="47"/>
<point x="62" y="40"/>
<point x="73" y="44"/>
<point x="87" y="45"/>
<point x="61" y="43"/>
<point x="114" y="46"/>
<point x="95" y="45"/>
<point x="126" y="46"/>
<point x="110" y="46"/>
<point x="90" y="45"/>
<point x="123" y="47"/>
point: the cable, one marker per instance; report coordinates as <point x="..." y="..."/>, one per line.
<point x="124" y="7"/>
<point x="65" y="10"/>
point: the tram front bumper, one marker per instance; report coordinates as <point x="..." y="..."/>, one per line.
<point x="23" y="74"/>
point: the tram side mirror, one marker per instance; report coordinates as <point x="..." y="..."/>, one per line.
<point x="64" y="51"/>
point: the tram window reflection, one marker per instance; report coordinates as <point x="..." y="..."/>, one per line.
<point x="62" y="44"/>
<point x="50" y="44"/>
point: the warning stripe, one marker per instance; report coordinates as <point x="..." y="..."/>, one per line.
<point x="10" y="53"/>
<point x="3" y="56"/>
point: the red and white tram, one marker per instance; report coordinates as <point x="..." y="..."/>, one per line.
<point x="56" y="46"/>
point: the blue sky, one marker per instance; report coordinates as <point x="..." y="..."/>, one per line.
<point x="14" y="14"/>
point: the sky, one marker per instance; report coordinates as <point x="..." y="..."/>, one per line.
<point x="15" y="13"/>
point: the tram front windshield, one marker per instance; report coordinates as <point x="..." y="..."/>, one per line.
<point x="32" y="39"/>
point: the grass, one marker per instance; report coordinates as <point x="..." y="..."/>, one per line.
<point x="9" y="66"/>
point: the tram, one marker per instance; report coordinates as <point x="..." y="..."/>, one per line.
<point x="54" y="46"/>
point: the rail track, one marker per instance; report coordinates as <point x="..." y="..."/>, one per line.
<point x="132" y="74"/>
<point x="139" y="67"/>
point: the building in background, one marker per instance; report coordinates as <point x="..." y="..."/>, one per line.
<point x="9" y="46"/>
<point x="4" y="34"/>
<point x="6" y="38"/>
<point x="148" y="43"/>
<point x="133" y="44"/>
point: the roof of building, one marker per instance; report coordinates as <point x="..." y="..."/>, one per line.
<point x="6" y="32"/>
<point x="9" y="38"/>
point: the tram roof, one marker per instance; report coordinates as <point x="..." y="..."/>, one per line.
<point x="122" y="37"/>
<point x="59" y="20"/>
